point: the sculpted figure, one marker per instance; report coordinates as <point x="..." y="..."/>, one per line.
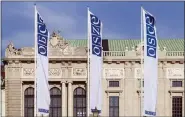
<point x="11" y="50"/>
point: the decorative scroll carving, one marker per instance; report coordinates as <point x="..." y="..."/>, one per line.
<point x="175" y="73"/>
<point x="138" y="73"/>
<point x="54" y="72"/>
<point x="79" y="72"/>
<point x="28" y="71"/>
<point x="113" y="72"/>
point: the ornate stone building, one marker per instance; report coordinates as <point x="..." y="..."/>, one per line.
<point x="121" y="78"/>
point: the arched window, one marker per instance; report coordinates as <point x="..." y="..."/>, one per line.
<point x="55" y="105"/>
<point x="79" y="102"/>
<point x="29" y="102"/>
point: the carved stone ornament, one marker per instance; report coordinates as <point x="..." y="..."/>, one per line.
<point x="54" y="72"/>
<point x="58" y="46"/>
<point x="54" y="41"/>
<point x="175" y="72"/>
<point x="28" y="71"/>
<point x="12" y="51"/>
<point x="113" y="72"/>
<point x="57" y="42"/>
<point x="139" y="49"/>
<point x="79" y="72"/>
<point x="68" y="51"/>
<point x="138" y="73"/>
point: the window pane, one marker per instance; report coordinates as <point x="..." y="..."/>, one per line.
<point x="113" y="106"/>
<point x="113" y="83"/>
<point x="55" y="106"/>
<point x="177" y="106"/>
<point x="176" y="83"/>
<point x="29" y="102"/>
<point x="79" y="102"/>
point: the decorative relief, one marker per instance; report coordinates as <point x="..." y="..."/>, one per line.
<point x="13" y="69"/>
<point x="175" y="72"/>
<point x="54" y="72"/>
<point x="68" y="51"/>
<point x="28" y="71"/>
<point x="139" y="49"/>
<point x="58" y="47"/>
<point x="79" y="72"/>
<point x="138" y="73"/>
<point x="113" y="72"/>
<point x="10" y="70"/>
<point x="12" y="51"/>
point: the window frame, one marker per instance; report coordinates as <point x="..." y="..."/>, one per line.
<point x="26" y="101"/>
<point x="177" y="106"/>
<point x="114" y="107"/>
<point x="114" y="83"/>
<point x="176" y="85"/>
<point x="58" y="99"/>
<point x="77" y="105"/>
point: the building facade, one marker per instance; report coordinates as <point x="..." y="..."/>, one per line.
<point x="121" y="81"/>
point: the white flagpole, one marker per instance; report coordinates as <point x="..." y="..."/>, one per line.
<point x="88" y="64"/>
<point x="142" y="52"/>
<point x="35" y="60"/>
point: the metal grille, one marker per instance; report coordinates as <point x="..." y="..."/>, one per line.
<point x="79" y="102"/>
<point x="113" y="83"/>
<point x="55" y="106"/>
<point x="113" y="106"/>
<point x="176" y="83"/>
<point x="29" y="102"/>
<point x="177" y="106"/>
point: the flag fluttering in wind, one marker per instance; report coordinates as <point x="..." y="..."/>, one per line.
<point x="41" y="66"/>
<point x="95" y="62"/>
<point x="150" y="63"/>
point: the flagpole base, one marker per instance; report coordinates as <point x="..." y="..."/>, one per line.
<point x="95" y="112"/>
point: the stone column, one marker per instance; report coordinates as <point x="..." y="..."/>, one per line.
<point x="70" y="100"/>
<point x="64" y="109"/>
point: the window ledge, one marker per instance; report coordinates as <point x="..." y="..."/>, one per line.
<point x="114" y="91"/>
<point x="176" y="90"/>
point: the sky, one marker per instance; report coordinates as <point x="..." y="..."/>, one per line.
<point x="121" y="20"/>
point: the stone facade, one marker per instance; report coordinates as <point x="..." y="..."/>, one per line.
<point x="68" y="70"/>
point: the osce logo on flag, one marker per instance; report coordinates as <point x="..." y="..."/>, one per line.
<point x="150" y="36"/>
<point x="42" y="36"/>
<point x="96" y="36"/>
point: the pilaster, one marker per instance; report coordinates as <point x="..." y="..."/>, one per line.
<point x="64" y="104"/>
<point x="70" y="100"/>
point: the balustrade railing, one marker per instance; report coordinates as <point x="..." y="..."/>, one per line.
<point x="122" y="53"/>
<point x="113" y="53"/>
<point x="174" y="53"/>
